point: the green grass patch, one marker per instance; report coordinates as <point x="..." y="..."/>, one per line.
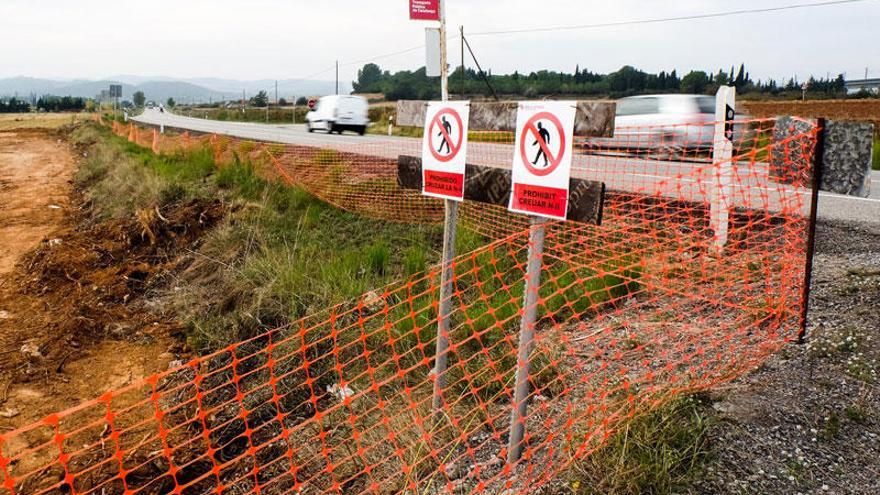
<point x="281" y="254"/>
<point x="658" y="452"/>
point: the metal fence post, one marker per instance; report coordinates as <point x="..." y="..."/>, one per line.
<point x="445" y="307"/>
<point x="446" y="277"/>
<point x="811" y="236"/>
<point x="526" y="339"/>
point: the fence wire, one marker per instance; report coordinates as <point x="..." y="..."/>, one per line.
<point x="630" y="314"/>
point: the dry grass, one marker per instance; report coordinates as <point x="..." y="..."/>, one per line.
<point x="11" y="121"/>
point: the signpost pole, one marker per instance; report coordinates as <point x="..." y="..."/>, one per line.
<point x="526" y="339"/>
<point x="449" y="231"/>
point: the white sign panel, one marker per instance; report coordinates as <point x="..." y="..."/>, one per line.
<point x="432" y="52"/>
<point x="444" y="149"/>
<point x="542" y="158"/>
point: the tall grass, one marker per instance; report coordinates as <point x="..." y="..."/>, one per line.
<point x="658" y="452"/>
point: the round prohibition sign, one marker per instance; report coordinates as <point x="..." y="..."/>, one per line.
<point x="454" y="147"/>
<point x="553" y="161"/>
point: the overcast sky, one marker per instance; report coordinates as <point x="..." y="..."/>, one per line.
<point x="281" y="39"/>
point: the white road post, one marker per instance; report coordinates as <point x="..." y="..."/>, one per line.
<point x="449" y="231"/>
<point x="722" y="168"/>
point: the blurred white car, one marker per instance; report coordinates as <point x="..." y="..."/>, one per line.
<point x="672" y="122"/>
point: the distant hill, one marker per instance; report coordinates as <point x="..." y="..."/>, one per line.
<point x="161" y="88"/>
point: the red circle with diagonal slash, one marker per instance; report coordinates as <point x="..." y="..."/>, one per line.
<point x="553" y="161"/>
<point x="453" y="147"/>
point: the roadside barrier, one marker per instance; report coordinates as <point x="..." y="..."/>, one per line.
<point x="631" y="314"/>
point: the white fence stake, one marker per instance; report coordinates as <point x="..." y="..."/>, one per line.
<point x="722" y="168"/>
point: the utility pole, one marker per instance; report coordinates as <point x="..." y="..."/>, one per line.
<point x="276" y="92"/>
<point x="337" y="77"/>
<point x="463" y="79"/>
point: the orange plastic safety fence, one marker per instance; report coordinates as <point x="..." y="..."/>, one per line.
<point x="630" y="313"/>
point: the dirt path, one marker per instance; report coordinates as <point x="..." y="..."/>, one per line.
<point x="35" y="173"/>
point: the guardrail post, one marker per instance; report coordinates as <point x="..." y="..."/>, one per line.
<point x="518" y="416"/>
<point x="819" y="152"/>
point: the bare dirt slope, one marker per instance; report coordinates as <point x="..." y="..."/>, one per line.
<point x="75" y="318"/>
<point x="35" y="173"/>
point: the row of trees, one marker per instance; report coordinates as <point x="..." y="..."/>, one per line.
<point x="61" y="103"/>
<point x="626" y="81"/>
<point x="14" y="105"/>
<point x="46" y="103"/>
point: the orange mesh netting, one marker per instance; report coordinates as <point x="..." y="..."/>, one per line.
<point x="630" y="313"/>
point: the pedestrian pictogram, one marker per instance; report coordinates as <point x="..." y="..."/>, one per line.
<point x="312" y="103"/>
<point x="542" y="160"/>
<point x="444" y="149"/>
<point x="542" y="144"/>
<point x="441" y="129"/>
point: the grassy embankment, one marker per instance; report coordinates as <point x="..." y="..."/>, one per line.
<point x="280" y="254"/>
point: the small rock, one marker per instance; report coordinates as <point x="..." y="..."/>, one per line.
<point x="5" y="315"/>
<point x="9" y="412"/>
<point x="176" y="363"/>
<point x="31" y="351"/>
<point x="54" y="207"/>
<point x="341" y="393"/>
<point x="373" y="301"/>
<point x="54" y="242"/>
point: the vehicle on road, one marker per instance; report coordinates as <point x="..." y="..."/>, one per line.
<point x="338" y="113"/>
<point x="670" y="122"/>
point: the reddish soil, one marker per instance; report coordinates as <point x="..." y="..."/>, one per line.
<point x="35" y="173"/>
<point x="867" y="109"/>
<point x="74" y="314"/>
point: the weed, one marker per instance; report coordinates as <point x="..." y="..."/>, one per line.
<point x="831" y="428"/>
<point x="377" y="257"/>
<point x="856" y="413"/>
<point x="655" y="452"/>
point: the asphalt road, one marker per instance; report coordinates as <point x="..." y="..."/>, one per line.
<point x="683" y="180"/>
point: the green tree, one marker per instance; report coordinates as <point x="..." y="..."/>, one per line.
<point x="170" y="102"/>
<point x="302" y="100"/>
<point x="695" y="81"/>
<point x="368" y="79"/>
<point x="261" y="99"/>
<point x="138" y="98"/>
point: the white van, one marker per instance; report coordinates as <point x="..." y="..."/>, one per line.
<point x="339" y="113"/>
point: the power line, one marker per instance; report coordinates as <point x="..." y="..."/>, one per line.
<point x="691" y="17"/>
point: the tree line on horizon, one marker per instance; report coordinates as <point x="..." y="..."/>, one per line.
<point x="627" y="81"/>
<point x="46" y="103"/>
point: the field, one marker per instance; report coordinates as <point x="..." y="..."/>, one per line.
<point x="862" y="110"/>
<point x="39" y="120"/>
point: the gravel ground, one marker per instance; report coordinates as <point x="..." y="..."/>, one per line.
<point x="809" y="420"/>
